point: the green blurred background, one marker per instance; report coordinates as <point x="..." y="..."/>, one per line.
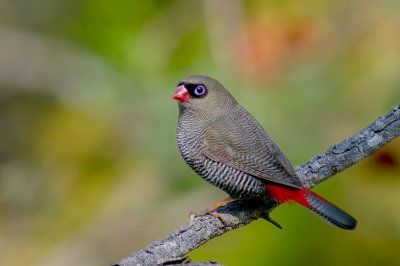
<point x="89" y="168"/>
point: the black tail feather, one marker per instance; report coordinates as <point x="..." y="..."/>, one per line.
<point x="329" y="212"/>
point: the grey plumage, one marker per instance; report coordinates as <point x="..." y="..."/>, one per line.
<point x="200" y="127"/>
<point x="225" y="145"/>
<point x="233" y="181"/>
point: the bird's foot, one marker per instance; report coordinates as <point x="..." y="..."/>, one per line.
<point x="220" y="218"/>
<point x="212" y="211"/>
<point x="193" y="215"/>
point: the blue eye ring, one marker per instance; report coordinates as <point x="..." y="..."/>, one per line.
<point x="200" y="91"/>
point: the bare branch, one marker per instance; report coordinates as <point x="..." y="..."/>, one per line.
<point x="351" y="150"/>
<point x="239" y="213"/>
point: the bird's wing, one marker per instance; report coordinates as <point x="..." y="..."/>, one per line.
<point x="248" y="148"/>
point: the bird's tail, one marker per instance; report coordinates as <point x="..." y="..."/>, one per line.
<point x="318" y="205"/>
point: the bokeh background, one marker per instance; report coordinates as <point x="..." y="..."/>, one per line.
<point x="89" y="168"/>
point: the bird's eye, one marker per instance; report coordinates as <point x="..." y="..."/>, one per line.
<point x="200" y="91"/>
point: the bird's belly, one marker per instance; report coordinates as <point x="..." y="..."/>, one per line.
<point x="234" y="182"/>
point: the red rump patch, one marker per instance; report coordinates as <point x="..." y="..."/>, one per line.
<point x="283" y="193"/>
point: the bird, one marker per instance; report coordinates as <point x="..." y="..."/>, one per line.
<point x="225" y="145"/>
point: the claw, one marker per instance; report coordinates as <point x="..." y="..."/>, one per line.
<point x="193" y="214"/>
<point x="220" y="218"/>
<point x="211" y="210"/>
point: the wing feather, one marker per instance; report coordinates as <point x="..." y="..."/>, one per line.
<point x="247" y="148"/>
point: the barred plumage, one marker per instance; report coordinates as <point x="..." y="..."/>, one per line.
<point x="226" y="146"/>
<point x="234" y="182"/>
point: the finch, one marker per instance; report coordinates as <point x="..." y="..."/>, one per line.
<point x="225" y="145"/>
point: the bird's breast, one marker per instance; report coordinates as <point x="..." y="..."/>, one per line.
<point x="233" y="181"/>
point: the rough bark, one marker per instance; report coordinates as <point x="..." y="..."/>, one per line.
<point x="173" y="248"/>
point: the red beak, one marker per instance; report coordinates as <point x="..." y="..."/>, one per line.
<point x="181" y="94"/>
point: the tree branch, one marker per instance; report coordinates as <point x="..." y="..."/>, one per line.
<point x="176" y="245"/>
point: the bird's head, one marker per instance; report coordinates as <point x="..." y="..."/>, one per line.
<point x="202" y="94"/>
